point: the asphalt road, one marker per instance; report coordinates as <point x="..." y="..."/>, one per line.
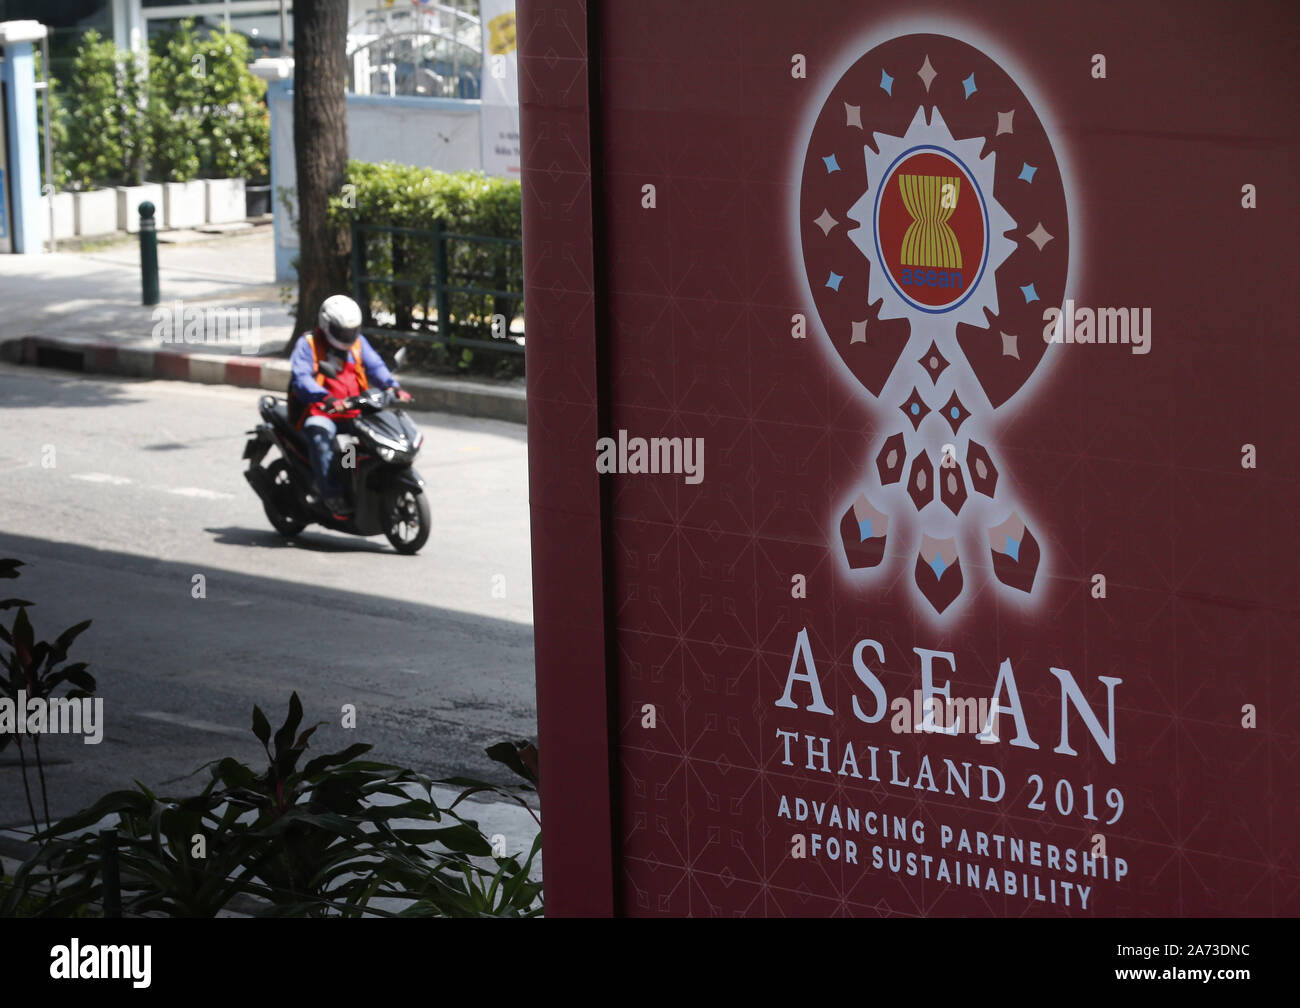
<point x="118" y="492"/>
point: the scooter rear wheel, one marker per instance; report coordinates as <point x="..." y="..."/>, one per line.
<point x="282" y="509"/>
<point x="406" y="519"/>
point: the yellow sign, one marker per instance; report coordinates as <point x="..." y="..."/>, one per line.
<point x="501" y="39"/>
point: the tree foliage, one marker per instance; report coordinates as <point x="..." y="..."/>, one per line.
<point x="196" y="111"/>
<point x="207" y="111"/>
<point x="108" y="140"/>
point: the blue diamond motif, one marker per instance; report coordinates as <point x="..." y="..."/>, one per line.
<point x="864" y="530"/>
<point x="834" y="281"/>
<point x="938" y="566"/>
<point x="1029" y="293"/>
<point x="969" y="85"/>
<point x="886" y="83"/>
<point x="1013" y="549"/>
<point x="831" y="164"/>
<point x="1027" y="171"/>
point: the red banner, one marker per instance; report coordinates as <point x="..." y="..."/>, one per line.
<point x="912" y="484"/>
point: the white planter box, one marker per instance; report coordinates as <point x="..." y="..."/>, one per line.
<point x="129" y="199"/>
<point x="65" y="218"/>
<point x="95" y="211"/>
<point x="225" y="200"/>
<point x="184" y="204"/>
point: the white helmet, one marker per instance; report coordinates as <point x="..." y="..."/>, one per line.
<point x="340" y="320"/>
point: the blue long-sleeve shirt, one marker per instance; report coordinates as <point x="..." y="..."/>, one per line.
<point x="303" y="367"/>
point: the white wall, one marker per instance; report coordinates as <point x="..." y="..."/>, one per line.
<point x="438" y="133"/>
<point x="421" y="131"/>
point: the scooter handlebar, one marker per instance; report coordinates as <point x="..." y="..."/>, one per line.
<point x="336" y="406"/>
<point x="386" y="397"/>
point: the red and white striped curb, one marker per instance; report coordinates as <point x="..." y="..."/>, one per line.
<point x="98" y="356"/>
<point x="105" y="357"/>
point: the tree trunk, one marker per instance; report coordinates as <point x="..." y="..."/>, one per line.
<point x="320" y="144"/>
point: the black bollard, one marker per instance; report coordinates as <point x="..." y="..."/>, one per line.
<point x="148" y="254"/>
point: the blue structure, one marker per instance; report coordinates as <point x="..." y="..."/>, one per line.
<point x="22" y="178"/>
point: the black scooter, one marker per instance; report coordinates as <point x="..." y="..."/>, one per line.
<point x="386" y="494"/>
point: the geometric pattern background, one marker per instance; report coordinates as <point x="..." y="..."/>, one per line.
<point x="1130" y="463"/>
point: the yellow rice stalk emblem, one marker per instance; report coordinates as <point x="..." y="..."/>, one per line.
<point x="929" y="241"/>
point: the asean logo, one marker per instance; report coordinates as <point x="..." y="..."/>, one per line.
<point x="934" y="233"/>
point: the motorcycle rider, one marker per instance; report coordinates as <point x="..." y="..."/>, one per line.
<point x="315" y="393"/>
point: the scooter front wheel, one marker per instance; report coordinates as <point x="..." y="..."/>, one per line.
<point x="282" y="507"/>
<point x="406" y="519"/>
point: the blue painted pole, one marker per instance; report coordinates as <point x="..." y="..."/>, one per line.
<point x="18" y="71"/>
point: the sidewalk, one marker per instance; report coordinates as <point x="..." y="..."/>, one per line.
<point x="81" y="311"/>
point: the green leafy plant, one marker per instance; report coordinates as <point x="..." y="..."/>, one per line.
<point x="207" y="110"/>
<point x="35" y="670"/>
<point x="239" y="121"/>
<point x="333" y="836"/>
<point x="176" y="94"/>
<point x="107" y="142"/>
<point x="197" y="111"/>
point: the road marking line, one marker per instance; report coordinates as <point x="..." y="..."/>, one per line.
<point x="198" y="492"/>
<point x="206" y="726"/>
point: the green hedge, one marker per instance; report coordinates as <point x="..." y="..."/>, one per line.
<point x="198" y="112"/>
<point x="106" y="137"/>
<point x="207" y="110"/>
<point x="406" y="196"/>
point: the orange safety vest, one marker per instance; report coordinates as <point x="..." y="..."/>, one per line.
<point x="319" y="351"/>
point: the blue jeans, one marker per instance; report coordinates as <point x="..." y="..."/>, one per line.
<point x="320" y="432"/>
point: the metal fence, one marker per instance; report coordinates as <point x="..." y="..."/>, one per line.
<point x="445" y="271"/>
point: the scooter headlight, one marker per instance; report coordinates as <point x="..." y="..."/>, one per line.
<point x="385" y="453"/>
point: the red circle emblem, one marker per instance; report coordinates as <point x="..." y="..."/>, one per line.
<point x="930" y="229"/>
<point x="910" y="116"/>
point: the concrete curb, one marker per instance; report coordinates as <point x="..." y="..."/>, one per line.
<point x="93" y="356"/>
